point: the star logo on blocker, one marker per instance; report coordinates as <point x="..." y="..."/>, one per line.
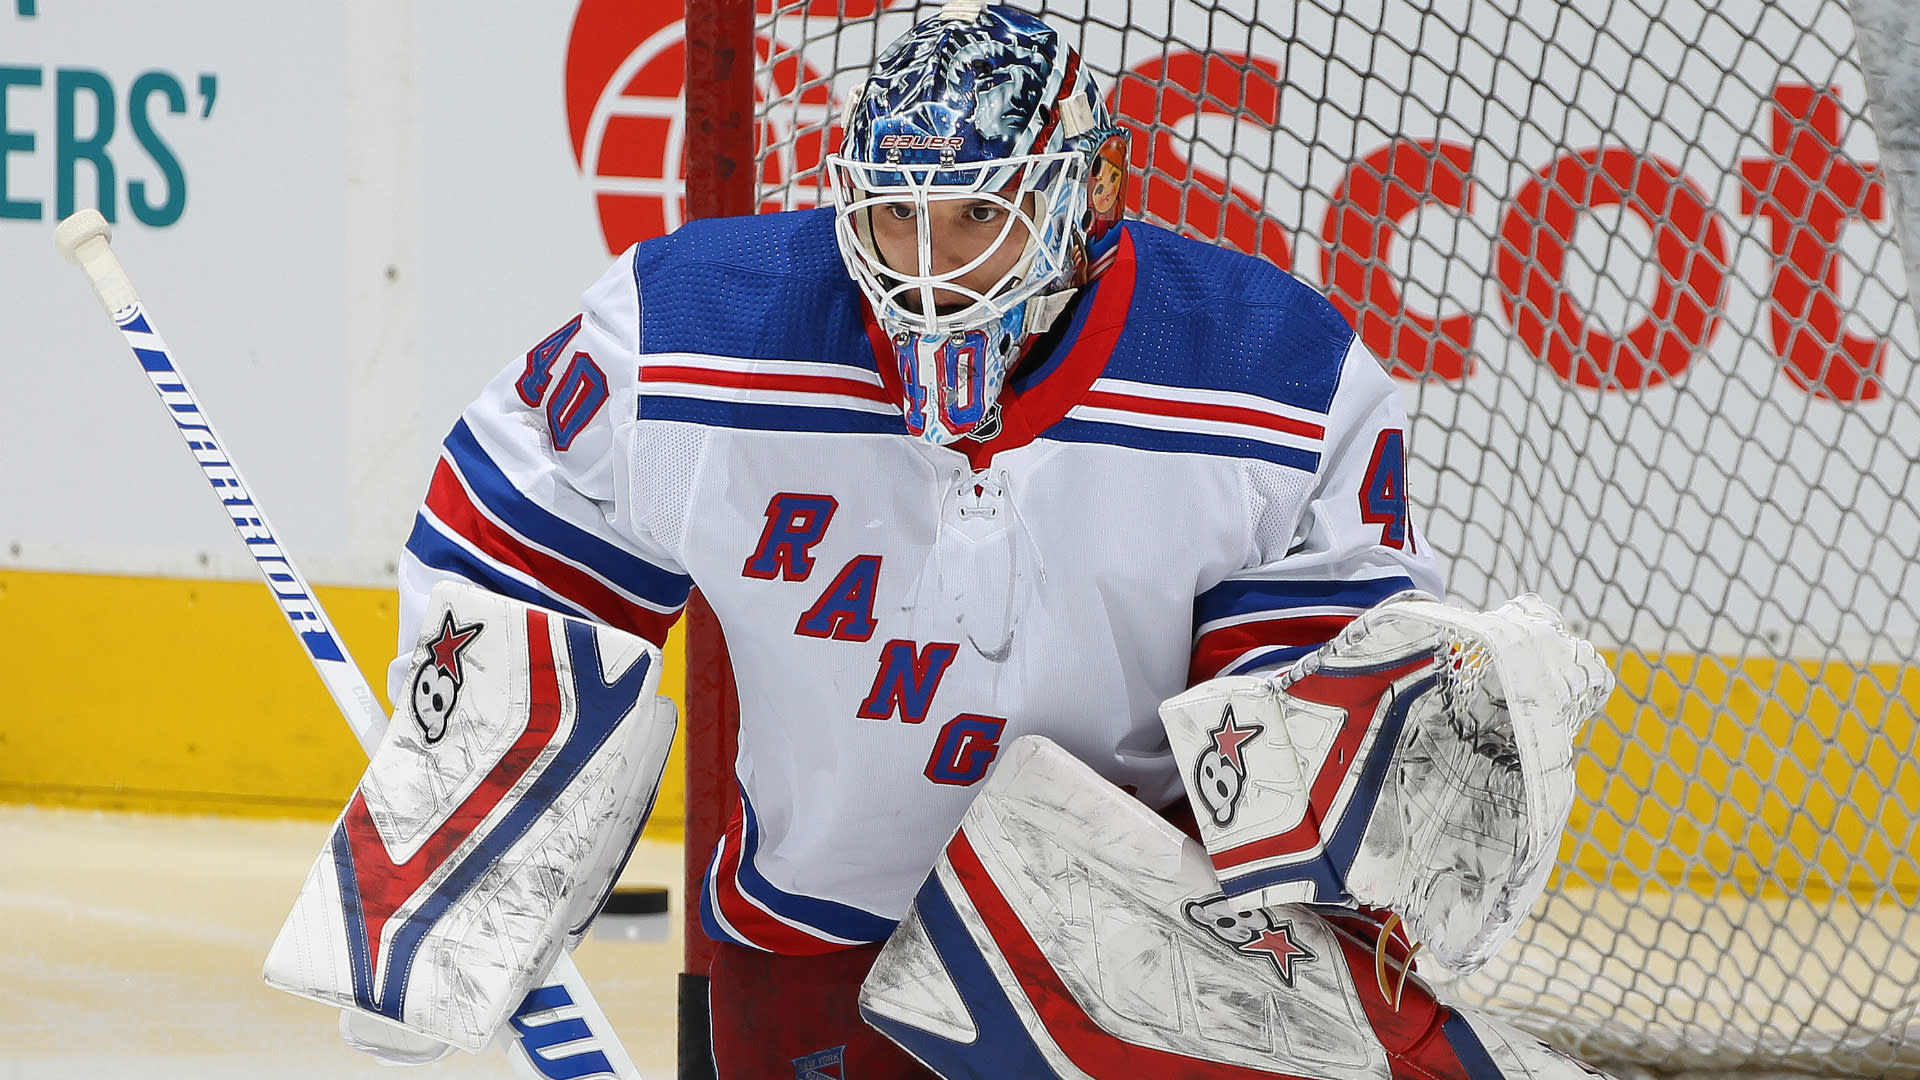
<point x="1278" y="945"/>
<point x="1229" y="736"/>
<point x="452" y="639"/>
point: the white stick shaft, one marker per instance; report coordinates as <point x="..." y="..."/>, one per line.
<point x="590" y="1042"/>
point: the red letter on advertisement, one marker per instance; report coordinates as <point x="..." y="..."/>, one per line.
<point x="1380" y="191"/>
<point x="1689" y="245"/>
<point x="1806" y="193"/>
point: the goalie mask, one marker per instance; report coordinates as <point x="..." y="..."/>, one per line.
<point x="978" y="169"/>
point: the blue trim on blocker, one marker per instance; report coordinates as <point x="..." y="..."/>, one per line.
<point x="1469" y="1049"/>
<point x="601" y="705"/>
<point x="1328" y="869"/>
<point x="1002" y="1046"/>
<point x="1247" y="596"/>
<point x="1181" y="442"/>
<point x="494" y="491"/>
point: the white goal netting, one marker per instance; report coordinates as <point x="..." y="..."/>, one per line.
<point x="1640" y="275"/>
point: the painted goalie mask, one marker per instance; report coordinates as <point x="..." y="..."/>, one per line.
<point x="984" y="117"/>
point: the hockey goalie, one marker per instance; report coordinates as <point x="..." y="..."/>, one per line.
<point x="1417" y="769"/>
<point x="492" y="821"/>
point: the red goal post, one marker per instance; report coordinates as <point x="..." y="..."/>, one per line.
<point x="1638" y="270"/>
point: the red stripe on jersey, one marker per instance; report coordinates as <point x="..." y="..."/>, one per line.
<point x="1200" y="410"/>
<point x="754" y="925"/>
<point x="1216" y="649"/>
<point x="763" y="380"/>
<point x="385" y="885"/>
<point x="447" y="498"/>
<point x="1092" y="1049"/>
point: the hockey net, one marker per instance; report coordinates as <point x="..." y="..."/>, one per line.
<point x="1640" y="277"/>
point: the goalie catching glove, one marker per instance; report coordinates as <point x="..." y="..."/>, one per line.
<point x="491" y="823"/>
<point x="1422" y="762"/>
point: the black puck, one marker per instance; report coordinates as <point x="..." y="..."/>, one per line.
<point x="637" y="900"/>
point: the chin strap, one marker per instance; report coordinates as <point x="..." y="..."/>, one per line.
<point x="1043" y="310"/>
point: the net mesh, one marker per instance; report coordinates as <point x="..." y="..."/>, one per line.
<point x="1637" y="271"/>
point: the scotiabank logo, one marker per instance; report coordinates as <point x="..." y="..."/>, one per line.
<point x="626" y="69"/>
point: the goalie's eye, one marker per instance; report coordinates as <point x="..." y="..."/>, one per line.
<point x="898" y="211"/>
<point x="983" y="213"/>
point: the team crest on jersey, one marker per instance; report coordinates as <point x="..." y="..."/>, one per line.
<point x="1253" y="931"/>
<point x="1220" y="776"/>
<point x="824" y="1065"/>
<point x="436" y="686"/>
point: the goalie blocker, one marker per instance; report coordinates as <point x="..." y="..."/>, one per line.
<point x="1421" y="762"/>
<point x="492" y="821"/>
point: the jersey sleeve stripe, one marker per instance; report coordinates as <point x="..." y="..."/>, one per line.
<point x="1244" y="624"/>
<point x="1203" y="410"/>
<point x="763" y="916"/>
<point x="1074" y="429"/>
<point x="839" y="386"/>
<point x="439" y="551"/>
<point x="1268" y="660"/>
<point x="1094" y="411"/>
<point x="758" y="417"/>
<point x="494" y="491"/>
<point x="1235" y="650"/>
<point x="1238" y="597"/>
<point x="456" y="513"/>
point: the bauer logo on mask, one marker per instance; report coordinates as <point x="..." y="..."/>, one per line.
<point x="437" y="686"/>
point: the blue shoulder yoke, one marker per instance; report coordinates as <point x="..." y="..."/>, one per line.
<point x="765" y="287"/>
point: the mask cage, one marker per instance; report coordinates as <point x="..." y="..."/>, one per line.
<point x="903" y="298"/>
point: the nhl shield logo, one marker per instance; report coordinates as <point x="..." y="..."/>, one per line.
<point x="436" y="685"/>
<point x="824" y="1065"/>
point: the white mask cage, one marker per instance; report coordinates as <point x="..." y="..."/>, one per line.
<point x="903" y="298"/>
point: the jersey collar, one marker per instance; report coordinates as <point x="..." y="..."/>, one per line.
<point x="1033" y="402"/>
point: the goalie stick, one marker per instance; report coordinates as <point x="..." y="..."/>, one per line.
<point x="561" y="1016"/>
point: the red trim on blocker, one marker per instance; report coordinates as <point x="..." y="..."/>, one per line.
<point x="1092" y="1049"/>
<point x="447" y="498"/>
<point x="1343" y="757"/>
<point x="384" y="885"/>
<point x="754" y="925"/>
<point x="1218" y="648"/>
<point x="765" y="380"/>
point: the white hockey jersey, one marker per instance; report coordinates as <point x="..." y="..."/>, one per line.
<point x="1204" y="475"/>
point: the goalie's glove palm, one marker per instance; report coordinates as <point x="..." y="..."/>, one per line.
<point x="1422" y="761"/>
